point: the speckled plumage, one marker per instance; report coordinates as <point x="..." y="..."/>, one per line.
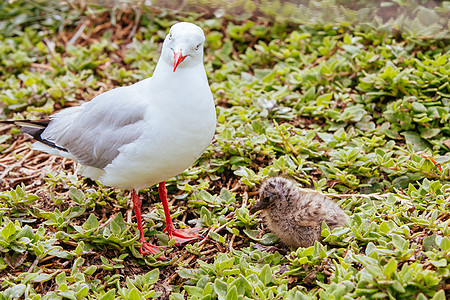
<point x="295" y="215"/>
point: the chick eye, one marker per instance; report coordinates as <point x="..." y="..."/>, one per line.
<point x="267" y="196"/>
<point x="198" y="46"/>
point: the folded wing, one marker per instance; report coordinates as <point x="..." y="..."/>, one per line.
<point x="93" y="132"/>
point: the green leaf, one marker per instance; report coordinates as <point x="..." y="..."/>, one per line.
<point x="110" y="295"/>
<point x="217" y="237"/>
<point x="8" y="230"/>
<point x="76" y="195"/>
<point x="120" y="221"/>
<point x="374" y="270"/>
<point x="418" y="107"/>
<point x="239" y="284"/>
<point x="232" y="294"/>
<point x="325" y="98"/>
<point x="430" y="133"/>
<point x="398" y="286"/>
<point x="82" y="293"/>
<point x="152" y="276"/>
<point x="429" y="242"/>
<point x="390" y="268"/>
<point x="115" y="228"/>
<point x="176" y="296"/>
<point x="194" y="290"/>
<point x="227" y="264"/>
<point x="91" y="270"/>
<point x="399" y="242"/>
<point x="440" y="295"/>
<point x="42" y="278"/>
<point x="266" y="275"/>
<point x="416" y="142"/>
<point x="91" y="222"/>
<point x="269" y="239"/>
<point x="220" y="288"/>
<point x="445" y="244"/>
<point x="208" y="289"/>
<point x="17" y="290"/>
<point x="68" y="294"/>
<point x="60" y="278"/>
<point x="134" y="294"/>
<point x="439" y="263"/>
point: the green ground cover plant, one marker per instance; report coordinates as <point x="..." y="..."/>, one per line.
<point x="351" y="100"/>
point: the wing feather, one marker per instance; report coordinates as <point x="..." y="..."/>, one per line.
<point x="95" y="131"/>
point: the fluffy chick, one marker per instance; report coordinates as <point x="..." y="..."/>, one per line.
<point x="295" y="215"/>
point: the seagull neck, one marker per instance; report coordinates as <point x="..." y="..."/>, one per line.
<point x="182" y="77"/>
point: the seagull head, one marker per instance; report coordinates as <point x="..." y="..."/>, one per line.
<point x="183" y="46"/>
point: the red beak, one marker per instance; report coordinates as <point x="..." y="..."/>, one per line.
<point x="178" y="57"/>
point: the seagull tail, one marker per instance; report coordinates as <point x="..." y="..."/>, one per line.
<point x="35" y="129"/>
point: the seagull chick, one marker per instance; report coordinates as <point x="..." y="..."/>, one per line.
<point x="295" y="215"/>
<point x="136" y="136"/>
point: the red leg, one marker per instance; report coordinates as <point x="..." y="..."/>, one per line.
<point x="181" y="236"/>
<point x="146" y="248"/>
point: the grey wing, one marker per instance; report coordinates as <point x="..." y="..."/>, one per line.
<point x="94" y="132"/>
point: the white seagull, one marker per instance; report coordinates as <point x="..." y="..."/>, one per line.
<point x="136" y="136"/>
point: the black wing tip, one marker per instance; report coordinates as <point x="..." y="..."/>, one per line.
<point x="35" y="129"/>
<point x="27" y="123"/>
<point x="7" y="122"/>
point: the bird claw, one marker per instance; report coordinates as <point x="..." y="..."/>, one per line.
<point x="183" y="236"/>
<point x="149" y="249"/>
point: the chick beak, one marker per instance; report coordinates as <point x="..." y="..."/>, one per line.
<point x="178" y="57"/>
<point x="258" y="206"/>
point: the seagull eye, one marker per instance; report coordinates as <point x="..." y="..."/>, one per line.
<point x="198" y="46"/>
<point x="170" y="36"/>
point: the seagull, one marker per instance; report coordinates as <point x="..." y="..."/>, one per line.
<point x="295" y="215"/>
<point x="136" y="136"/>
